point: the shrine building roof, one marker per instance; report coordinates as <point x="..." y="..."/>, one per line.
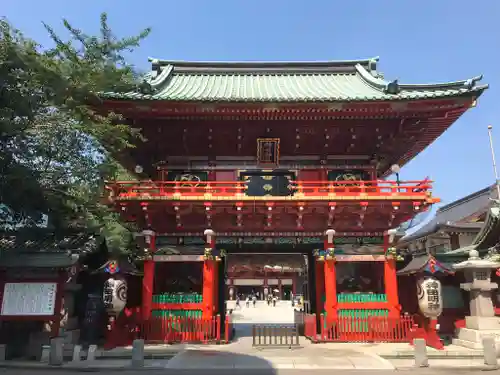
<point x="286" y="82"/>
<point x="462" y="215"/>
<point x="40" y="248"/>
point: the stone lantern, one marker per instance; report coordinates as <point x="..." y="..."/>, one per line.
<point x="482" y="320"/>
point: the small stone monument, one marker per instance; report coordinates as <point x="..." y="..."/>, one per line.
<point x="482" y="321"/>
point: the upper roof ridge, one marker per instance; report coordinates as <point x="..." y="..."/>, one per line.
<point x="265" y="66"/>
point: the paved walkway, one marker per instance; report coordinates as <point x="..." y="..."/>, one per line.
<point x="240" y="355"/>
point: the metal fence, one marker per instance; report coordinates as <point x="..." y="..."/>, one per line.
<point x="277" y="336"/>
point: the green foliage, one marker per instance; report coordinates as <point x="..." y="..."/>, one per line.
<point x="55" y="149"/>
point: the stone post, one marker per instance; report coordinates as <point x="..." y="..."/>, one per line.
<point x="56" y="355"/>
<point x="138" y="353"/>
<point x="91" y="353"/>
<point x="421" y="359"/>
<point x="77" y="353"/>
<point x="490" y="351"/>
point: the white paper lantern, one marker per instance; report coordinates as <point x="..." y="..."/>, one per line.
<point x="115" y="295"/>
<point x="430" y="297"/>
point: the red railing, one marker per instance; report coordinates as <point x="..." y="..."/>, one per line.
<point x="236" y="189"/>
<point x="186" y="330"/>
<point x="366" y="329"/>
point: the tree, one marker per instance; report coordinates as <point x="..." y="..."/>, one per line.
<point x="55" y="149"/>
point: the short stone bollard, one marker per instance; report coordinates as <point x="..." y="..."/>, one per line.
<point x="44" y="357"/>
<point x="91" y="353"/>
<point x="3" y="352"/>
<point x="138" y="353"/>
<point x="56" y="356"/>
<point x="77" y="353"/>
<point x="421" y="359"/>
<point x="490" y="351"/>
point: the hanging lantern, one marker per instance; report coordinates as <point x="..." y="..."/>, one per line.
<point x="430" y="297"/>
<point x="115" y="295"/>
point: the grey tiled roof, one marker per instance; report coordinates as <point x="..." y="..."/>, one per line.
<point x="40" y="248"/>
<point x="356" y="80"/>
<point x="451" y="216"/>
<point x="38" y="260"/>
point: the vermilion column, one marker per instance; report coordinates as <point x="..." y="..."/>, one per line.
<point x="330" y="278"/>
<point x="208" y="287"/>
<point x="216" y="286"/>
<point x="320" y="286"/>
<point x="390" y="277"/>
<point x="148" y="278"/>
<point x="391" y="287"/>
<point x="330" y="289"/>
<point x="209" y="277"/>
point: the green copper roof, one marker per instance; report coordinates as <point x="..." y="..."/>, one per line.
<point x="331" y="81"/>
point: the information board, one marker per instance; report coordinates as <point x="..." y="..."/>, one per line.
<point x="29" y="299"/>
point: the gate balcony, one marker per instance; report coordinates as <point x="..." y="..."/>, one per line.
<point x="419" y="191"/>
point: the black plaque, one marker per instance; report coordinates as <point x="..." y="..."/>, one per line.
<point x="348" y="176"/>
<point x="188" y="178"/>
<point x="261" y="184"/>
<point x="268" y="150"/>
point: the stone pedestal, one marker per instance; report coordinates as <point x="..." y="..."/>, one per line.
<point x="482" y="322"/>
<point x="475" y="329"/>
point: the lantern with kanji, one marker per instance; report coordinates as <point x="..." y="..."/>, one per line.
<point x="430" y="297"/>
<point x="115" y="295"/>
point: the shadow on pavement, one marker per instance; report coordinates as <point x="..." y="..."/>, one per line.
<point x="218" y="360"/>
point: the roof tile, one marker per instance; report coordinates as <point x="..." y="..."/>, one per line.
<point x="283" y="82"/>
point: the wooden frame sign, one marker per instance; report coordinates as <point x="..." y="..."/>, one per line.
<point x="268" y="151"/>
<point x="34" y="299"/>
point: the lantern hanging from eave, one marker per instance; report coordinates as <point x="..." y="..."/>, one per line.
<point x="430" y="297"/>
<point x="115" y="295"/>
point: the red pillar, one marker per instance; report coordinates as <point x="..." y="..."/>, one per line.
<point x="209" y="279"/>
<point x="148" y="280"/>
<point x="330" y="278"/>
<point x="216" y="287"/>
<point x="391" y="281"/>
<point x="330" y="289"/>
<point x="320" y="286"/>
<point x="208" y="288"/>
<point x="391" y="287"/>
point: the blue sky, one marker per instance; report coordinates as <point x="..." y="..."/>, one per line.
<point x="417" y="41"/>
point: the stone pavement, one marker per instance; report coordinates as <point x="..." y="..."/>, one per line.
<point x="241" y="372"/>
<point x="241" y="356"/>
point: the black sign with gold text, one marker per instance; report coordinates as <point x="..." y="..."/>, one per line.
<point x="261" y="184"/>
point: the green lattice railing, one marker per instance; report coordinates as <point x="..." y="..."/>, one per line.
<point x="362" y="313"/>
<point x="176" y="313"/>
<point x="360" y="297"/>
<point x="177" y="298"/>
